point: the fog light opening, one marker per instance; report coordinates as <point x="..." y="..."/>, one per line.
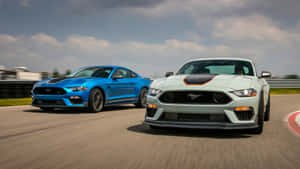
<point x="76" y="99"/>
<point x="151" y="110"/>
<point x="244" y="113"/>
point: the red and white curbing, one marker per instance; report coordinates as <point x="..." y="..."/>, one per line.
<point x="294" y="122"/>
<point x="297" y="120"/>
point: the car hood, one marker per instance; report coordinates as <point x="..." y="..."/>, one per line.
<point x="204" y="82"/>
<point x="67" y="81"/>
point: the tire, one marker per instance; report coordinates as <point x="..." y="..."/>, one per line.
<point x="260" y="120"/>
<point x="142" y="98"/>
<point x="268" y="108"/>
<point x="96" y="101"/>
<point x="47" y="108"/>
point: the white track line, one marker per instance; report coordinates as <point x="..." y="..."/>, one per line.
<point x="14" y="107"/>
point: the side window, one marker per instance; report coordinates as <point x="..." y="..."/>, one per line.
<point x="189" y="70"/>
<point x="246" y="70"/>
<point x="133" y="75"/>
<point x="123" y="72"/>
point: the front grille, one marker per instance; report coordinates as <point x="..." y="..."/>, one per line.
<point x="244" y="115"/>
<point x="194" y="97"/>
<point x="48" y="102"/>
<point x="194" y="117"/>
<point x="49" y="91"/>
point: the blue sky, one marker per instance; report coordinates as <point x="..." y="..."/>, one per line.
<point x="149" y="36"/>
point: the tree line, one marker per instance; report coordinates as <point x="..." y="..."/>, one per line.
<point x="291" y="76"/>
<point x="57" y="74"/>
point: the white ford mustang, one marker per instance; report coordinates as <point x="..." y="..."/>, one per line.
<point x="211" y="93"/>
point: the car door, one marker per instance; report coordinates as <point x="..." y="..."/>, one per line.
<point x="123" y="86"/>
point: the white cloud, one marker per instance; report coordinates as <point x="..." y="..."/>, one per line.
<point x="25" y="3"/>
<point x="7" y="38"/>
<point x="254" y="27"/>
<point x="45" y="39"/>
<point x="191" y="7"/>
<point x="87" y="42"/>
<point x="43" y="52"/>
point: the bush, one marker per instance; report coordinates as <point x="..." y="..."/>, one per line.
<point x="292" y="76"/>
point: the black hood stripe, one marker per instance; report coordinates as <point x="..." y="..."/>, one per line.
<point x="198" y="79"/>
<point x="56" y="80"/>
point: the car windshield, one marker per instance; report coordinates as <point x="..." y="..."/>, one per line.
<point x="232" y="67"/>
<point x="102" y="72"/>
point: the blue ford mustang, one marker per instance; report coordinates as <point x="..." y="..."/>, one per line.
<point x="92" y="88"/>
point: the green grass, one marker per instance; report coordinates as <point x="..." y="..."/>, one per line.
<point x="15" y="102"/>
<point x="285" y="91"/>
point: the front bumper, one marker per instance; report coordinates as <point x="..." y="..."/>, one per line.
<point x="200" y="125"/>
<point x="227" y="110"/>
<point x="64" y="100"/>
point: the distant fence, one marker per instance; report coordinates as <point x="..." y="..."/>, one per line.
<point x="21" y="89"/>
<point x="284" y="83"/>
<point x="15" y="89"/>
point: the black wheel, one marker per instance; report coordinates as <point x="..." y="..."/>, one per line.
<point x="260" y="117"/>
<point x="96" y="101"/>
<point x="47" y="108"/>
<point x="142" y="98"/>
<point x="267" y="113"/>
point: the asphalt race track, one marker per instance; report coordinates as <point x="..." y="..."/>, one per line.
<point x="116" y="139"/>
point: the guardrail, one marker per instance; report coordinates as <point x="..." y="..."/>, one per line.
<point x="284" y="83"/>
<point x="15" y="88"/>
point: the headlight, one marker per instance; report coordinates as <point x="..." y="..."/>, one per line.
<point x="154" y="92"/>
<point x="245" y="93"/>
<point x="75" y="89"/>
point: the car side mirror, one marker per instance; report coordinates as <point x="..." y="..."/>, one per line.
<point x="265" y="74"/>
<point x="169" y="74"/>
<point x="115" y="77"/>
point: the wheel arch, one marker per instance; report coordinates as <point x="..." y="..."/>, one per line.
<point x="141" y="88"/>
<point x="101" y="89"/>
<point x="262" y="96"/>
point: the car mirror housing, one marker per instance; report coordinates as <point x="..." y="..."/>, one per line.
<point x="169" y="74"/>
<point x="265" y="74"/>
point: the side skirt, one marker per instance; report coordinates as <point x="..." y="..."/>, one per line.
<point x="129" y="99"/>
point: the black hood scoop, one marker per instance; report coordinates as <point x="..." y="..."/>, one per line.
<point x="56" y="80"/>
<point x="198" y="79"/>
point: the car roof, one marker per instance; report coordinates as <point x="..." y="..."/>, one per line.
<point x="109" y="66"/>
<point x="222" y="58"/>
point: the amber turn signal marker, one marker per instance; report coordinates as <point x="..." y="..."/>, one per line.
<point x="242" y="108"/>
<point x="151" y="106"/>
<point x="254" y="94"/>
